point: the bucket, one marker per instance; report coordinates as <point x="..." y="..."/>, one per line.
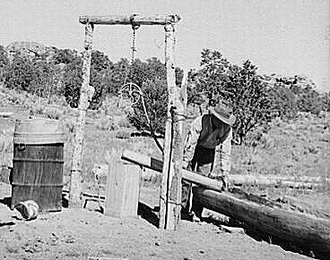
<point x="38" y="163"/>
<point x="28" y="209"/>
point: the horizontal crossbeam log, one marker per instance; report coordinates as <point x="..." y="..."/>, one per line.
<point x="157" y="165"/>
<point x="130" y="19"/>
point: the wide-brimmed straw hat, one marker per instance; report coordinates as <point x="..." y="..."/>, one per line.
<point x="223" y="112"/>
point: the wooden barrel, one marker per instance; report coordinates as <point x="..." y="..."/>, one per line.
<point x="38" y="163"/>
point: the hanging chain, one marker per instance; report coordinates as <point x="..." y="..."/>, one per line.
<point x="134" y="27"/>
<point x="128" y="73"/>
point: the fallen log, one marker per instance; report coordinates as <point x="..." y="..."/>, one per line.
<point x="308" y="229"/>
<point x="278" y="181"/>
<point x="235" y="179"/>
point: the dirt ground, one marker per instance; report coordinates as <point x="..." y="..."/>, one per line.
<point x="88" y="234"/>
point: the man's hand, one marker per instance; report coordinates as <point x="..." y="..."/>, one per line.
<point x="225" y="181"/>
<point x="187" y="166"/>
<point x="223" y="178"/>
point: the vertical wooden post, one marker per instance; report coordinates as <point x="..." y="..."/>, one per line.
<point x="170" y="195"/>
<point x="76" y="179"/>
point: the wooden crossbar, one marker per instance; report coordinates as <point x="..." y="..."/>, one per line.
<point x="134" y="19"/>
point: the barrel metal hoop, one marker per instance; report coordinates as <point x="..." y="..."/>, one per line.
<point x="37" y="160"/>
<point x="38" y="184"/>
<point x="38" y="138"/>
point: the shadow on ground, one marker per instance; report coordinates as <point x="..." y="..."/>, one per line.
<point x="260" y="236"/>
<point x="149" y="214"/>
<point x="6" y="201"/>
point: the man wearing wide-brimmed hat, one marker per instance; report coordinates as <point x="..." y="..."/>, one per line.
<point x="207" y="150"/>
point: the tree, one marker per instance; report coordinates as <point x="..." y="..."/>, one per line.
<point x="292" y="94"/>
<point x="100" y="63"/>
<point x="151" y="77"/>
<point x="44" y="79"/>
<point x="72" y="79"/>
<point x="3" y="62"/>
<point x="65" y="56"/>
<point x="20" y="74"/>
<point x="283" y="101"/>
<point x="240" y="86"/>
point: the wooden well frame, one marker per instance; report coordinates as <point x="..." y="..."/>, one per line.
<point x="170" y="194"/>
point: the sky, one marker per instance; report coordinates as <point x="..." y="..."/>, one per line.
<point x="286" y="37"/>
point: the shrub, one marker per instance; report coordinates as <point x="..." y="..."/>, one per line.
<point x="121" y="134"/>
<point x="53" y="113"/>
<point x="124" y="122"/>
<point x="69" y="124"/>
<point x="105" y="123"/>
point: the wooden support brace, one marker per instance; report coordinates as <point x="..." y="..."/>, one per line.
<point x="130" y="19"/>
<point x="75" y="178"/>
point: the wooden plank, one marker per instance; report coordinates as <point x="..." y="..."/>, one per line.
<point x="135" y="19"/>
<point x="170" y="194"/>
<point x="114" y="198"/>
<point x="123" y="188"/>
<point x="76" y="178"/>
<point x="131" y="191"/>
<point x="307" y="230"/>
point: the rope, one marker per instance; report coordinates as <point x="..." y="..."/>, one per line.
<point x="171" y="201"/>
<point x="150" y="125"/>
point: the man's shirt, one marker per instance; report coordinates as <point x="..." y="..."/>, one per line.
<point x="211" y="140"/>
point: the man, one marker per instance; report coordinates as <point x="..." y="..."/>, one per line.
<point x="207" y="152"/>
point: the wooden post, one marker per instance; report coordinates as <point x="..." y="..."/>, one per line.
<point x="170" y="195"/>
<point x="76" y="179"/>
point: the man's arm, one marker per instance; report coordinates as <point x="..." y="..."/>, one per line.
<point x="222" y="158"/>
<point x="191" y="141"/>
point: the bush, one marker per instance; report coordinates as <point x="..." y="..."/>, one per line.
<point x="53" y="113"/>
<point x="105" y="123"/>
<point x="283" y="101"/>
<point x="121" y="134"/>
<point x="124" y="122"/>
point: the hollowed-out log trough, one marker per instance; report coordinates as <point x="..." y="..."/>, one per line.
<point x="299" y="226"/>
